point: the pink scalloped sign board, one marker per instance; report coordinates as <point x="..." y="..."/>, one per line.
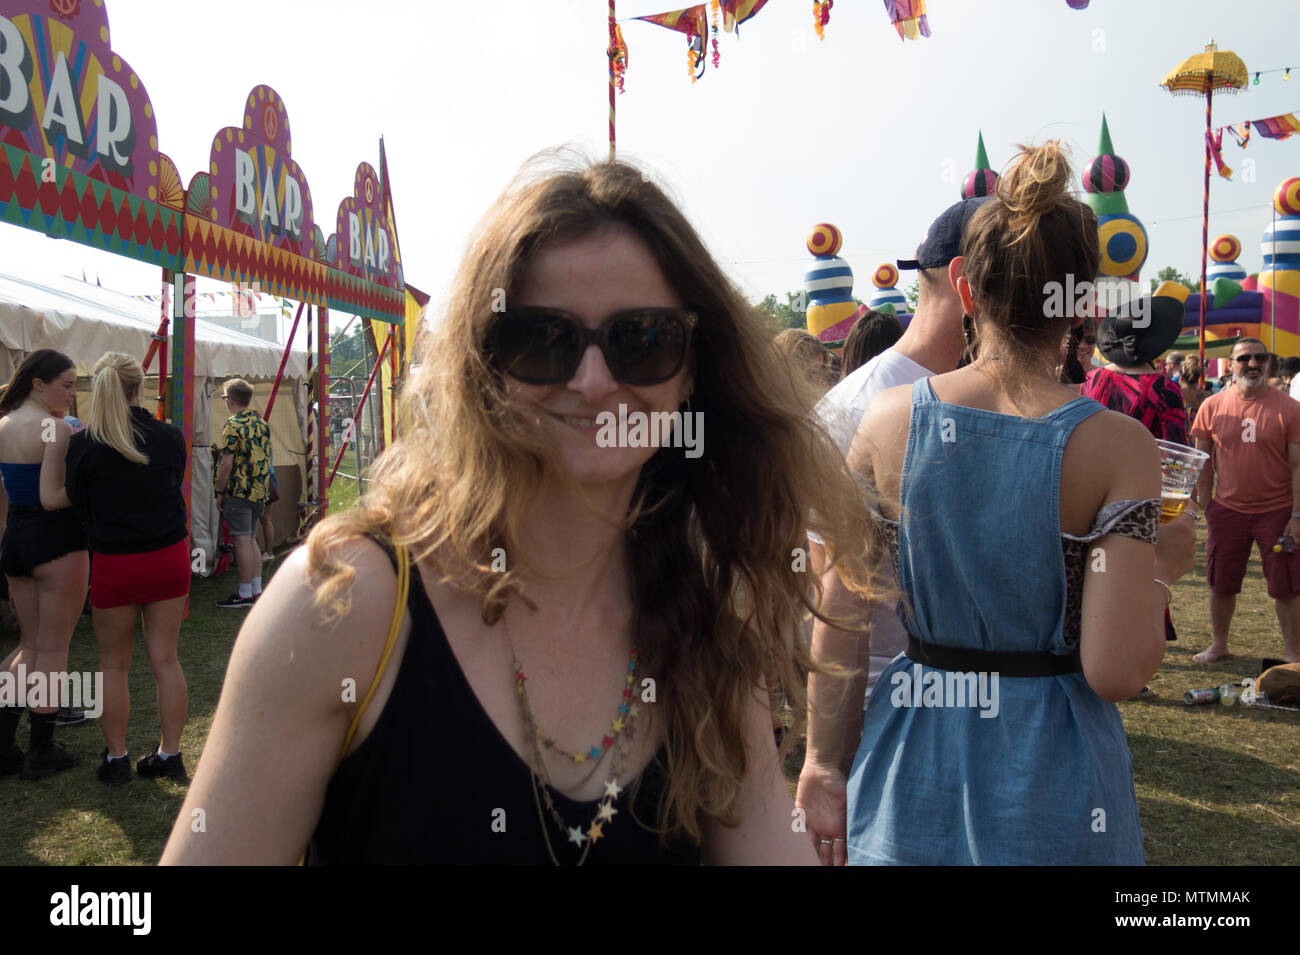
<point x="258" y="190"/>
<point x="66" y="96"/>
<point x="364" y="233"/>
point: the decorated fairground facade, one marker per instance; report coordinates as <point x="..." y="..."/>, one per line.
<point x="81" y="162"/>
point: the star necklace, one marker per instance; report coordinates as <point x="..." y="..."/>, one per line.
<point x="624" y="731"/>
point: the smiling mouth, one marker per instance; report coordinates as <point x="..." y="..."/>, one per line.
<point x="574" y="421"/>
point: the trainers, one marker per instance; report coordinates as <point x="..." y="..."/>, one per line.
<point x="11" y="761"/>
<point x="67" y="716"/>
<point x="267" y="556"/>
<point x="40" y="763"/>
<point x="234" y="600"/>
<point x="114" y="772"/>
<point x="154" y="766"/>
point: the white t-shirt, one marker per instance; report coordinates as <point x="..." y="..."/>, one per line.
<point x="1295" y="387"/>
<point x="842" y="408"/>
<point x="841" y="411"/>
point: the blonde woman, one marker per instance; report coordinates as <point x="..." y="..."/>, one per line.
<point x="124" y="476"/>
<point x="43" y="554"/>
<point x="584" y="669"/>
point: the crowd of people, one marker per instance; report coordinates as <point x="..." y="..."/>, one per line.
<point x="529" y="645"/>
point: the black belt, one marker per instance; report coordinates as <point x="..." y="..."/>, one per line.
<point x="1011" y="664"/>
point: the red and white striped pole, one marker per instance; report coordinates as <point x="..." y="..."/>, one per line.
<point x="611" y="54"/>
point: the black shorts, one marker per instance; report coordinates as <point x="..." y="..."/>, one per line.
<point x="35" y="536"/>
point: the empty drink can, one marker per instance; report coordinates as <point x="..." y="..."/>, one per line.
<point x="1197" y="697"/>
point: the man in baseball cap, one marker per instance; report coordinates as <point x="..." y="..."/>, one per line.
<point x="932" y="345"/>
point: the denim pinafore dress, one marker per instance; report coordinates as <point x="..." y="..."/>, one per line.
<point x="1019" y="770"/>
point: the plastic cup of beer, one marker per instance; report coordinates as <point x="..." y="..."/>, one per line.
<point x="1180" y="467"/>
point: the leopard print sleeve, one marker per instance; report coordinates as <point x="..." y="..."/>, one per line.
<point x="1136" y="519"/>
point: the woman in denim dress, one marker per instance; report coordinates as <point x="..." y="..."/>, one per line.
<point x="1030" y="587"/>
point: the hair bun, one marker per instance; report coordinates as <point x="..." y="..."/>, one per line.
<point x="1034" y="184"/>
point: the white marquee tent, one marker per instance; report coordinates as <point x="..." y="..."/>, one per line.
<point x="84" y="321"/>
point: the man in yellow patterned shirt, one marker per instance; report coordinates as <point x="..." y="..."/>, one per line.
<point x="244" y="486"/>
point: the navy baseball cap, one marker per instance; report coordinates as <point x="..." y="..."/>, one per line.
<point x="942" y="243"/>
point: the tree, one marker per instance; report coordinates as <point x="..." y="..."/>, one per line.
<point x="790" y="314"/>
<point x="913" y="295"/>
<point x="1171" y="274"/>
<point x="346" y="351"/>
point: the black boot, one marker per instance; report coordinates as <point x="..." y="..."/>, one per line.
<point x="11" y="757"/>
<point x="46" y="756"/>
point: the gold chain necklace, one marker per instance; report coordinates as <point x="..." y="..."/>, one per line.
<point x="624" y="730"/>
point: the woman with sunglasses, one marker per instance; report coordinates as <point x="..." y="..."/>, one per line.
<point x="1082" y="342"/>
<point x="43" y="553"/>
<point x="598" y="612"/>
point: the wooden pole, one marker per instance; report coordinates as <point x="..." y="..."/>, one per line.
<point x="323" y="408"/>
<point x="1205" y="216"/>
<point x="611" y="51"/>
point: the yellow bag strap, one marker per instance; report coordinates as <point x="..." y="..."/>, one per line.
<point x="399" y="610"/>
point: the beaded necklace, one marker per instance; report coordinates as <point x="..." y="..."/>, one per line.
<point x="623" y="728"/>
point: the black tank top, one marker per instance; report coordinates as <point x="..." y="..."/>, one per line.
<point x="435" y="781"/>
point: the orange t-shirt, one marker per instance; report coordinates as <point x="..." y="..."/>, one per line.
<point x="1250" y="447"/>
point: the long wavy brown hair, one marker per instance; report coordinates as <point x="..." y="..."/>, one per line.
<point x="716" y="543"/>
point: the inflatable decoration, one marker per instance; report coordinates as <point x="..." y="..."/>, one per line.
<point x="1123" y="238"/>
<point x="1224" y="251"/>
<point x="982" y="181"/>
<point x="887" y="298"/>
<point x="829" y="284"/>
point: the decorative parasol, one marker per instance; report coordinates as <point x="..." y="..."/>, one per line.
<point x="1202" y="75"/>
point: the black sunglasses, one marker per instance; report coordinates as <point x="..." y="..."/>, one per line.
<point x="1257" y="359"/>
<point x="544" y="346"/>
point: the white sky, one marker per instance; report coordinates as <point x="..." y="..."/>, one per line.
<point x="857" y="130"/>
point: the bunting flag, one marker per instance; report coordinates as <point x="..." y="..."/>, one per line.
<point x="736" y="12"/>
<point x="694" y="22"/>
<point x="1277" y="127"/>
<point x="821" y="16"/>
<point x="1241" y="133"/>
<point x="618" y="54"/>
<point x="1215" y="141"/>
<point x="717" y="55"/>
<point x="908" y="17"/>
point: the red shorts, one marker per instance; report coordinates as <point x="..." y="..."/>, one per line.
<point x="122" y="580"/>
<point x="1227" y="550"/>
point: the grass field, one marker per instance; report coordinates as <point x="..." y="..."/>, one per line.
<point x="1215" y="785"/>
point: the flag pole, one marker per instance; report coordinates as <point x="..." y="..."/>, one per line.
<point x="611" y="54"/>
<point x="1205" y="216"/>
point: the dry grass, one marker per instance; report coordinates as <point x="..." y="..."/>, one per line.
<point x="1215" y="786"/>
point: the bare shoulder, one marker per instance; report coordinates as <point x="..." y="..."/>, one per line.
<point x="289" y="610"/>
<point x="887" y="416"/>
<point x="1114" y="457"/>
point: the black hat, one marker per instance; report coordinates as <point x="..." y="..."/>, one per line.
<point x="1140" y="331"/>
<point x="942" y="243"/>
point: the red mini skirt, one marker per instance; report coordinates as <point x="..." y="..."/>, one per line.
<point x="121" y="580"/>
